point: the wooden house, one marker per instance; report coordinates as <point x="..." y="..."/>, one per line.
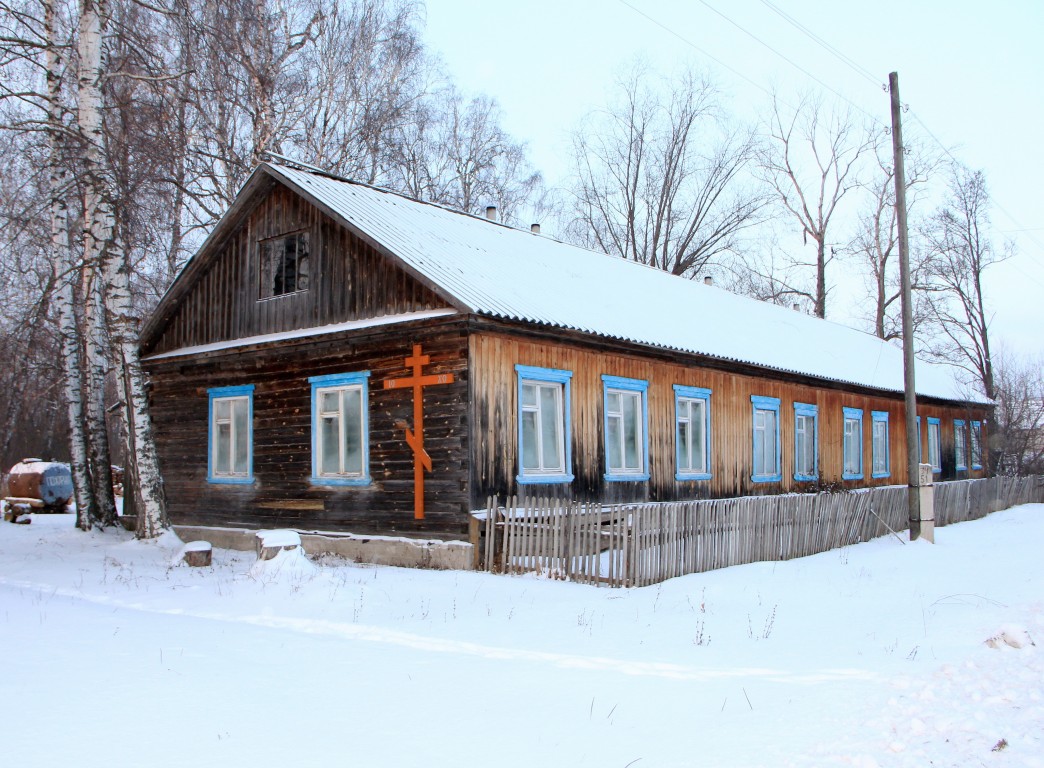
<point x="338" y="357"/>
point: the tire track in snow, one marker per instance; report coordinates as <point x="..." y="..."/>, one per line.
<point x="385" y="636"/>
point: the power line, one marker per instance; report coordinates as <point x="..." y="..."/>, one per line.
<point x="790" y="61"/>
<point x="844" y="58"/>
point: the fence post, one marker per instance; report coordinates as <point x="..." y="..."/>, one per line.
<point x="926" y="491"/>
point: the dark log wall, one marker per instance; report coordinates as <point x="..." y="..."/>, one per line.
<point x="494" y="418"/>
<point x="281" y="494"/>
<point x="349" y="280"/>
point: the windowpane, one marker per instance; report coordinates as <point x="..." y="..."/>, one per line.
<point x="242" y="437"/>
<point x="550" y="424"/>
<point x="699" y="436"/>
<point x="329" y="442"/>
<point x="614" y="442"/>
<point x="352" y="415"/>
<point x="880" y="447"/>
<point x="530" y="458"/>
<point x="222" y="446"/>
<point x="632" y="431"/>
<point x="934" y="451"/>
<point x="805" y="456"/>
<point x="853" y="447"/>
<point x="684" y="454"/>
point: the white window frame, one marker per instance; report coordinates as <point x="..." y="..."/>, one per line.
<point x="960" y="445"/>
<point x="544" y="378"/>
<point x="341" y="383"/>
<point x="880" y="458"/>
<point x="685" y="398"/>
<point x="852" y="432"/>
<point x="626" y="388"/>
<point x="242" y="396"/>
<point x="804" y="412"/>
<point x="764" y="405"/>
<point x="935" y="443"/>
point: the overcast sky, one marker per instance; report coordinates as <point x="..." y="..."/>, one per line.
<point x="971" y="74"/>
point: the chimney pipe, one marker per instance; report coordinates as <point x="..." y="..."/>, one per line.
<point x="491" y="212"/>
<point x="796" y="307"/>
<point x="708" y="280"/>
<point x="534" y="228"/>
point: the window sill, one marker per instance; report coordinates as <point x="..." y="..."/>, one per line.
<point x="806" y="478"/>
<point x="683" y="476"/>
<point x="635" y="477"/>
<point x="356" y="481"/>
<point x="230" y="480"/>
<point x="543" y="479"/>
<point x="877" y="475"/>
<point x="848" y="476"/>
<point x="766" y="478"/>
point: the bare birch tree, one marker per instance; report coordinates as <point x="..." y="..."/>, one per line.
<point x="1016" y="432"/>
<point x="811" y="161"/>
<point x="876" y="243"/>
<point x="661" y="178"/>
<point x="960" y="250"/>
<point x="102" y="245"/>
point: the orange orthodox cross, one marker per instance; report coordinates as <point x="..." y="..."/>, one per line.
<point x="415" y="437"/>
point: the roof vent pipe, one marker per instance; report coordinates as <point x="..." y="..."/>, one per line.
<point x="708" y="280"/>
<point x="491" y="212"/>
<point x="534" y="228"/>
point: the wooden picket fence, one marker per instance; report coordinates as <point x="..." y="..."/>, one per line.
<point x="641" y="544"/>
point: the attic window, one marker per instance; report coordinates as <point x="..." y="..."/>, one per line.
<point x="283" y="265"/>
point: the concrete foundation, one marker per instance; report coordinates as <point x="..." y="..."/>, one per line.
<point x="379" y="550"/>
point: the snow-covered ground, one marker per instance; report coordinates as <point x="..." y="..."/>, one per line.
<point x="875" y="655"/>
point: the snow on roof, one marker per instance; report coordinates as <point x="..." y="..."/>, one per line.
<point x="502" y="272"/>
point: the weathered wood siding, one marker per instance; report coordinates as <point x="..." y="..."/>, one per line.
<point x="282" y="494"/>
<point x="349" y="279"/>
<point x="495" y="424"/>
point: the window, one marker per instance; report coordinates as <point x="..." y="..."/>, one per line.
<point x="692" y="432"/>
<point x="853" y="445"/>
<point x="626" y="445"/>
<point x="976" y="444"/>
<point x="283" y="265"/>
<point x="934" y="446"/>
<point x="340" y="429"/>
<point x="881" y="461"/>
<point x="544" y="450"/>
<point x="231" y="416"/>
<point x="766" y="439"/>
<point x="960" y="444"/>
<point x="806" y="442"/>
<point x="919" y="459"/>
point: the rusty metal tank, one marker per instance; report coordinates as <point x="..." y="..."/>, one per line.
<point x="47" y="481"/>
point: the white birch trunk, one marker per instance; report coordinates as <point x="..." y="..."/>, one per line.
<point x="103" y="247"/>
<point x="64" y="276"/>
<point x="95" y="368"/>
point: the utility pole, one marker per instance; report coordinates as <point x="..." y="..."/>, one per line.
<point x="912" y="434"/>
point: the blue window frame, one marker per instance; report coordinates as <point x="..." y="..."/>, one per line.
<point x="806" y="442"/>
<point x="230" y="425"/>
<point x="853" y="444"/>
<point x="976" y="445"/>
<point x="545" y="453"/>
<point x="880" y="459"/>
<point x="960" y="444"/>
<point x="340" y="429"/>
<point x="692" y="433"/>
<point x="935" y="444"/>
<point x="626" y="417"/>
<point x="766" y="447"/>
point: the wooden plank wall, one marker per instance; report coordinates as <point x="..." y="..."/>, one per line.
<point x="349" y="280"/>
<point x="494" y="409"/>
<point x="281" y="495"/>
